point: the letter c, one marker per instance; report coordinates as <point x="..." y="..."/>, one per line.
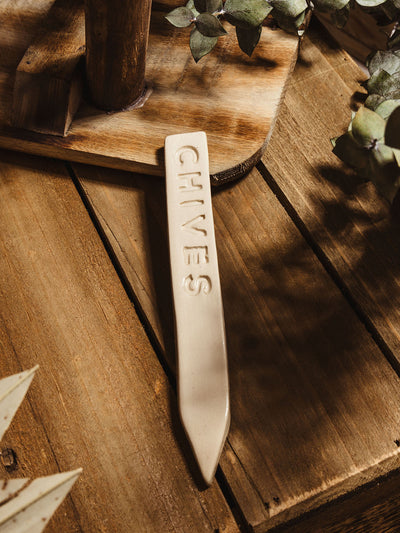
<point x="187" y="153"/>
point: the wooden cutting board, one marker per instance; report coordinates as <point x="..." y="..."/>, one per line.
<point x="232" y="98"/>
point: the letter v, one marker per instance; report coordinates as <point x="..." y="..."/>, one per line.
<point x="190" y="225"/>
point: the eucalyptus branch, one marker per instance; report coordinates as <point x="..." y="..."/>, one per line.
<point x="247" y="16"/>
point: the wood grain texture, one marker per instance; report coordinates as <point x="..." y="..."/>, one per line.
<point x="315" y="405"/>
<point x="48" y="84"/>
<point x="232" y="98"/>
<point x="117" y="34"/>
<point x="344" y="216"/>
<point x="101" y="400"/>
<point x="360" y="36"/>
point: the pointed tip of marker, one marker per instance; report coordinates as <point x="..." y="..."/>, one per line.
<point x="208" y="445"/>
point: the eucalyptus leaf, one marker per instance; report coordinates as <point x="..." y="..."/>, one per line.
<point x="386" y="108"/>
<point x="368" y="127"/>
<point x="330" y="5"/>
<point x="384" y="171"/>
<point x="384" y="84"/>
<point x="289" y="8"/>
<point x="370" y="3"/>
<point x="373" y="101"/>
<point x="350" y="152"/>
<point x="246" y="13"/>
<point x="289" y="24"/>
<point x="181" y="17"/>
<point x="390" y="10"/>
<point x="201" y="45"/>
<point x="209" y="26"/>
<point x="386" y="60"/>
<point x="208" y="6"/>
<point x="190" y="5"/>
<point x="392" y="132"/>
<point x="248" y="38"/>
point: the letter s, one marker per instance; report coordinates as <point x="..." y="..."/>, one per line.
<point x="195" y="286"/>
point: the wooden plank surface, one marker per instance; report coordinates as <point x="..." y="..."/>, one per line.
<point x="230" y="96"/>
<point x="344" y="217"/>
<point x="361" y="34"/>
<point x="101" y="400"/>
<point x="315" y="404"/>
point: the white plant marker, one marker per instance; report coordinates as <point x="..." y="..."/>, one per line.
<point x="30" y="510"/>
<point x="203" y="389"/>
<point x="12" y="392"/>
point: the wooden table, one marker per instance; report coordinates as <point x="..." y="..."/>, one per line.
<point x="309" y="261"/>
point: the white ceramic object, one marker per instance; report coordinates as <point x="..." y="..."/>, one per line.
<point x="30" y="509"/>
<point x="12" y="392"/>
<point x="203" y="388"/>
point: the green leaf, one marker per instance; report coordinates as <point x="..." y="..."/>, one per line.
<point x="392" y="132"/>
<point x="200" y="5"/>
<point x="350" y="152"/>
<point x="181" y="17"/>
<point x="330" y="5"/>
<point x="384" y="171"/>
<point x="208" y="6"/>
<point x="246" y="13"/>
<point x="373" y="101"/>
<point x="385" y="108"/>
<point x="200" y="45"/>
<point x="289" y="8"/>
<point x="190" y="5"/>
<point x="248" y="38"/>
<point x="388" y="60"/>
<point x="370" y="3"/>
<point x="289" y="24"/>
<point x="384" y="84"/>
<point x="209" y="26"/>
<point x="367" y="127"/>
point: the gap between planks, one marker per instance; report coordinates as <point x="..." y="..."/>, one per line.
<point x="150" y="332"/>
<point x="328" y="266"/>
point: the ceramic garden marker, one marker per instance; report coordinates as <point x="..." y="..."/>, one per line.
<point x="203" y="391"/>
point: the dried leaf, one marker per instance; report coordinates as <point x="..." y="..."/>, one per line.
<point x="200" y="45"/>
<point x="384" y="171"/>
<point x="330" y="5"/>
<point x="392" y="132"/>
<point x="289" y="8"/>
<point x="246" y="13"/>
<point x="248" y="38"/>
<point x="350" y="152"/>
<point x="368" y="127"/>
<point x="386" y="60"/>
<point x="386" y="108"/>
<point x="370" y="3"/>
<point x="209" y="26"/>
<point x="190" y="5"/>
<point x="384" y="84"/>
<point x="208" y="6"/>
<point x="181" y="17"/>
<point x="12" y="392"/>
<point x="30" y="510"/>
